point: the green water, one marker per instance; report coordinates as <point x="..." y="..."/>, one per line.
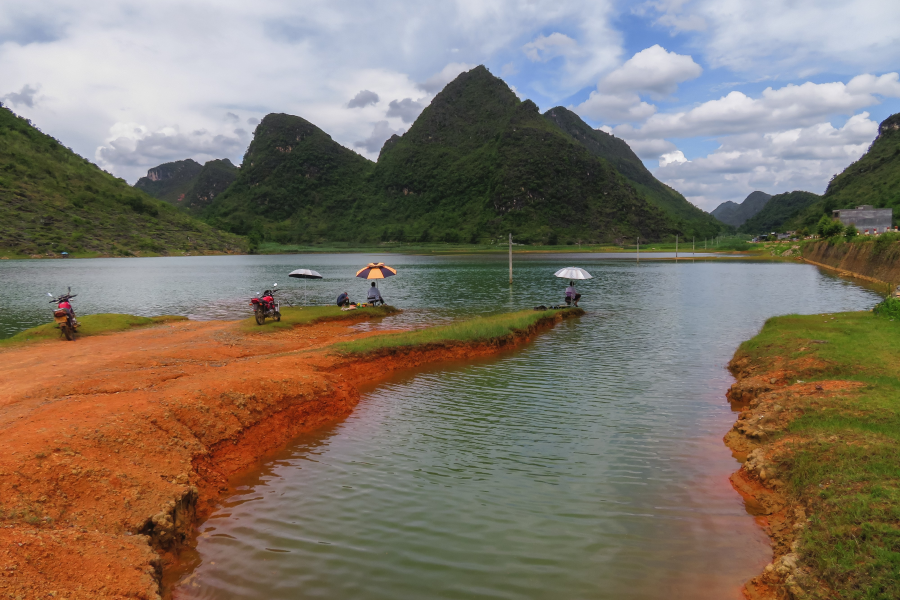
<point x="587" y="464"/>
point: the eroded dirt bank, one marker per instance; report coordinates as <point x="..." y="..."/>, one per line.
<point x="878" y="263"/>
<point x="770" y="394"/>
<point x="112" y="447"/>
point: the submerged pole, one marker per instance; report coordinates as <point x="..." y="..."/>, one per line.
<point x="510" y="258"/>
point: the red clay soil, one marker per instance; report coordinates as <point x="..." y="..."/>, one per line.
<point x="768" y="400"/>
<point x="112" y="447"/>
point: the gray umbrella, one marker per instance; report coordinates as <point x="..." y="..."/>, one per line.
<point x="304" y="274"/>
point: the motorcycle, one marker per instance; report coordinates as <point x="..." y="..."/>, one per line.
<point x="266" y="307"/>
<point x="64" y="315"/>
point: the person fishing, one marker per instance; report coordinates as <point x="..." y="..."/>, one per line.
<point x="572" y="295"/>
<point x="374" y="295"/>
<point x="343" y="300"/>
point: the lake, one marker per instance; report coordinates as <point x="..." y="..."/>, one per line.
<point x="586" y="464"/>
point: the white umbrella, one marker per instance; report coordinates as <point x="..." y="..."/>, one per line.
<point x="573" y="273"/>
<point x="305" y="274"/>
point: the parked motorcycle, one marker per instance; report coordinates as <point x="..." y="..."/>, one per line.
<point x="266" y="307"/>
<point x="64" y="314"/>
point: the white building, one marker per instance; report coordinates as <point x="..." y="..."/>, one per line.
<point x="866" y="217"/>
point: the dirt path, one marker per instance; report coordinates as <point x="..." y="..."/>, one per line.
<point x="113" y="446"/>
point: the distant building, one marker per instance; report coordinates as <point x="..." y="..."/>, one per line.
<point x="866" y="217"/>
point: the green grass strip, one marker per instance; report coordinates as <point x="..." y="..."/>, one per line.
<point x="845" y="466"/>
<point x="479" y="329"/>
<point x="90" y="325"/>
<point x="307" y="315"/>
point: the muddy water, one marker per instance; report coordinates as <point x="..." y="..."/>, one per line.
<point x="588" y="464"/>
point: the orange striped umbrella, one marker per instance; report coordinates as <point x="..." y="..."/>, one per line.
<point x="376" y="271"/>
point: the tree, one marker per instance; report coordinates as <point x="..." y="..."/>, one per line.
<point x="850" y="232"/>
<point x="828" y="227"/>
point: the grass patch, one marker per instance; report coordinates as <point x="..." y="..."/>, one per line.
<point x="90" y="325"/>
<point x="844" y="463"/>
<point x="307" y="315"/>
<point x="479" y="329"/>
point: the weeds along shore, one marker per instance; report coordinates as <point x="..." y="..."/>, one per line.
<point x="819" y="434"/>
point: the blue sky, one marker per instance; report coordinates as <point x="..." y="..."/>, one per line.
<point x="718" y="97"/>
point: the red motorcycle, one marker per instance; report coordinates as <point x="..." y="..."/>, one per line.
<point x="266" y="307"/>
<point x="64" y="315"/>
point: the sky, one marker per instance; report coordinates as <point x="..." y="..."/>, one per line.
<point x="718" y="97"/>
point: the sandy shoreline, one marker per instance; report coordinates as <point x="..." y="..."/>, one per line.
<point x="113" y="447"/>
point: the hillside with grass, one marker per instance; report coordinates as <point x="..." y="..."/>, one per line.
<point x="476" y="164"/>
<point x="295" y="184"/>
<point x="873" y="179"/>
<point x="619" y="154"/>
<point x="53" y="201"/>
<point x="734" y="214"/>
<point x="779" y="210"/>
<point x="187" y="184"/>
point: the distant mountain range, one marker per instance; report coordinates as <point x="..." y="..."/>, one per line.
<point x="187" y="184"/>
<point x="735" y="214"/>
<point x="53" y="201"/>
<point x="477" y="164"/>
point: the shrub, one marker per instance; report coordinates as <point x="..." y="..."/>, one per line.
<point x="889" y="307"/>
<point x="850" y="232"/>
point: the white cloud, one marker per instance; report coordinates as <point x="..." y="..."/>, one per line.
<point x="676" y="156"/>
<point x="797" y="38"/>
<point x="543" y="48"/>
<point x="653" y="71"/>
<point x="133" y="145"/>
<point x="797" y="159"/>
<point x="775" y="109"/>
<point x="381" y="131"/>
<point x="171" y="63"/>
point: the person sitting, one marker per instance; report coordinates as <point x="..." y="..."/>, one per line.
<point x="374" y="296"/>
<point x="572" y="296"/>
<point x="343" y="300"/>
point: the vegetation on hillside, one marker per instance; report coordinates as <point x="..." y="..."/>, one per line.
<point x="734" y="214"/>
<point x="692" y="220"/>
<point x="477" y="164"/>
<point x="188" y="185"/>
<point x="779" y="209"/>
<point x="52" y="201"/>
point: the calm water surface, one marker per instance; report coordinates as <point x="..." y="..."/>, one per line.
<point x="588" y="464"/>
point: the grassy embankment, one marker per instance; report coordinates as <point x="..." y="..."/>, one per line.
<point x="90" y="325"/>
<point x="309" y="315"/>
<point x="479" y="329"/>
<point x="841" y="458"/>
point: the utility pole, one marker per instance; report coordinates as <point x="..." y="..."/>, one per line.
<point x="510" y="259"/>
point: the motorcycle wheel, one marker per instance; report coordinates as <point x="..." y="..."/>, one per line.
<point x="277" y="316"/>
<point x="67" y="331"/>
<point x="260" y="317"/>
